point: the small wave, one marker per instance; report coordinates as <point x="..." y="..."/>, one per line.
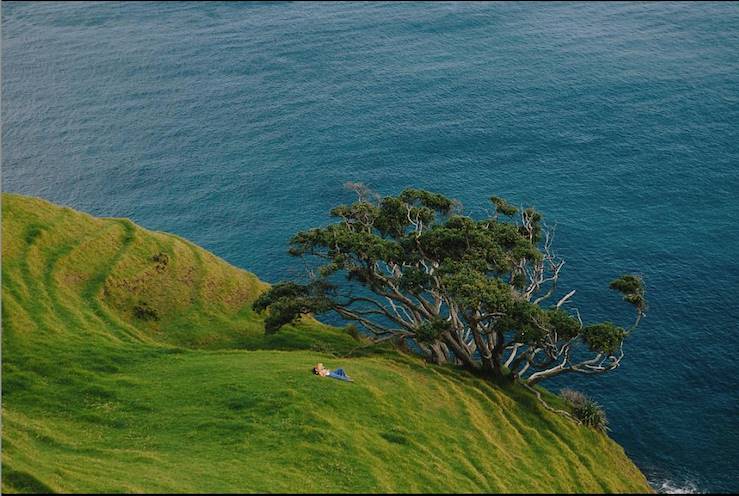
<point x="670" y="487"/>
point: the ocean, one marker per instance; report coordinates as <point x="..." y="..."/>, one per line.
<point x="235" y="125"/>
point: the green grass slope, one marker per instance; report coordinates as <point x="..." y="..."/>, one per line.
<point x="132" y="362"/>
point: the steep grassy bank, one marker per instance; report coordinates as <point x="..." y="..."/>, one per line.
<point x="132" y="362"/>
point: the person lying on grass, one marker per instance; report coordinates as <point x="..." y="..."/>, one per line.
<point x="322" y="371"/>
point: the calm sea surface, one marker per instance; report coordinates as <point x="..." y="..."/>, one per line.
<point x="235" y="125"/>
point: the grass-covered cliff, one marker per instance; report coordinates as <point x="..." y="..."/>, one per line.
<point x="133" y="362"/>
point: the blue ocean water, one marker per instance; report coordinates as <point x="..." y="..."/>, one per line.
<point x="235" y="125"/>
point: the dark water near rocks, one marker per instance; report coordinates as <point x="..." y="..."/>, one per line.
<point x="235" y="125"/>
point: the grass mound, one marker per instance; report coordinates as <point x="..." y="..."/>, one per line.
<point x="132" y="362"/>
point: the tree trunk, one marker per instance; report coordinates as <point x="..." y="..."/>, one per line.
<point x="438" y="356"/>
<point x="497" y="365"/>
<point x="460" y="353"/>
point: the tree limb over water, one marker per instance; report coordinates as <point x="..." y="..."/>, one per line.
<point x="474" y="292"/>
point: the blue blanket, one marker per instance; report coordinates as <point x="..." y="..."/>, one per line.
<point x="339" y="374"/>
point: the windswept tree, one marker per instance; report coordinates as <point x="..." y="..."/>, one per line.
<point x="480" y="293"/>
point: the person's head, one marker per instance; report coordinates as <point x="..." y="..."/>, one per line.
<point x="319" y="369"/>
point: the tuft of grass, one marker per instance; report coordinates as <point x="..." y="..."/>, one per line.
<point x="96" y="399"/>
<point x="585" y="409"/>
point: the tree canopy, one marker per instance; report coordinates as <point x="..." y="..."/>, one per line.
<point x="481" y="293"/>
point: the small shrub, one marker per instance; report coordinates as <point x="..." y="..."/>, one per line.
<point x="572" y="397"/>
<point x="144" y="312"/>
<point x="586" y="410"/>
<point x="592" y="414"/>
<point x="162" y="259"/>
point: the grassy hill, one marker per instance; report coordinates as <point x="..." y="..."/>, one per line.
<point x="132" y="362"/>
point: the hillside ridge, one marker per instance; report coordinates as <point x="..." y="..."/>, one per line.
<point x="132" y="361"/>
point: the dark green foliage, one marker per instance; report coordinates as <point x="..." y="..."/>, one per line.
<point x="393" y="218"/>
<point x="429" y="330"/>
<point x="627" y="284"/>
<point x="473" y="289"/>
<point x="283" y="312"/>
<point x="586" y="410"/>
<point x="503" y="207"/>
<point x="605" y="337"/>
<point x="357" y="213"/>
<point x="632" y="287"/>
<point x="432" y="201"/>
<point x="277" y="292"/>
<point x="415" y="280"/>
<point x="565" y="324"/>
<point x="287" y="301"/>
<point x="530" y="321"/>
